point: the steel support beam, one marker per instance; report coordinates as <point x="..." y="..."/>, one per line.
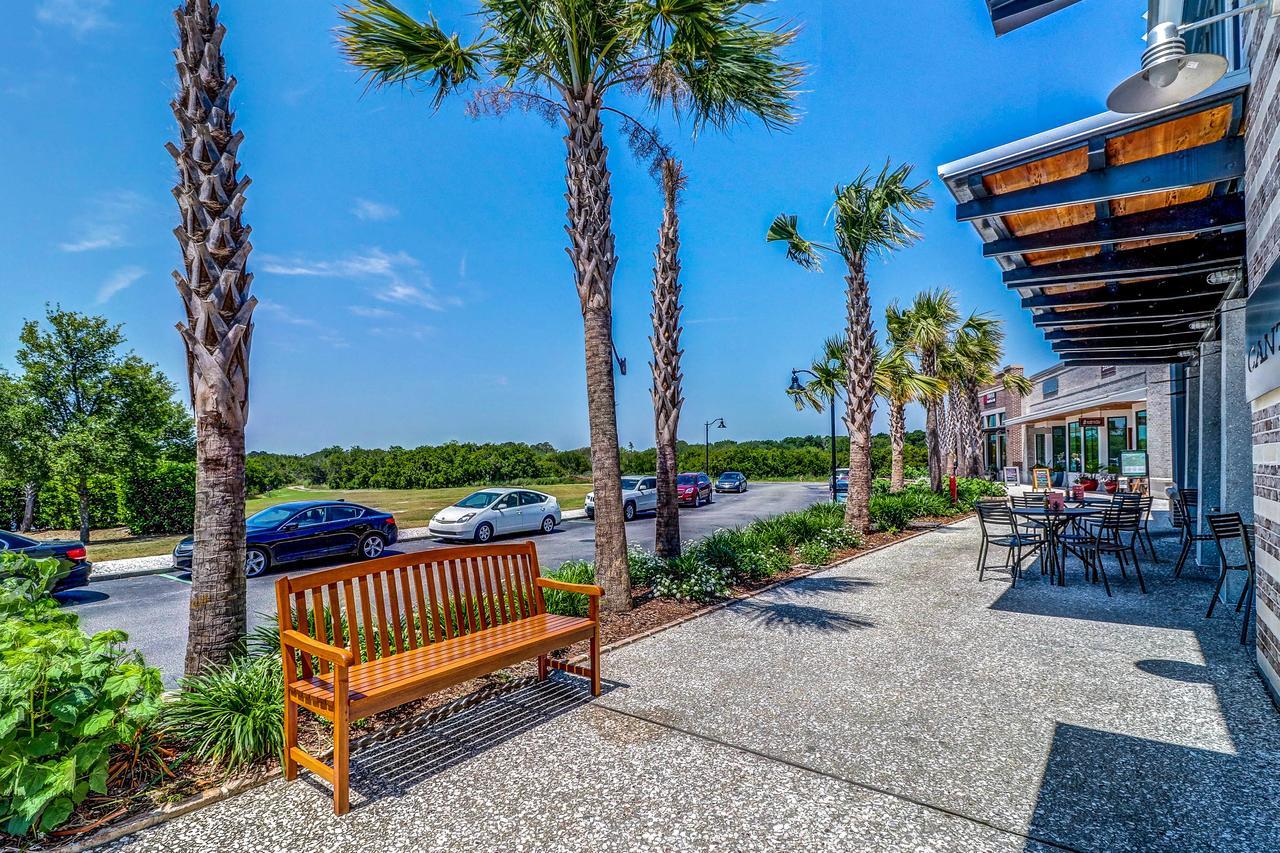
<point x="1152" y="290"/>
<point x="1204" y="164"/>
<point x="1197" y="217"/>
<point x="1203" y="254"/>
<point x="1130" y="312"/>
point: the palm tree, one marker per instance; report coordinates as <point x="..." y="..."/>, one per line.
<point x="972" y="362"/>
<point x="873" y="215"/>
<point x="563" y="58"/>
<point x="215" y="291"/>
<point x="926" y="327"/>
<point x="667" y="376"/>
<point x="899" y="382"/>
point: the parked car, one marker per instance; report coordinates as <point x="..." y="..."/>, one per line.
<point x="639" y="494"/>
<point x="731" y="481"/>
<point x="694" y="489"/>
<point x="74" y="567"/>
<point x="842" y="486"/>
<point x="307" y="530"/>
<point x="494" y="512"/>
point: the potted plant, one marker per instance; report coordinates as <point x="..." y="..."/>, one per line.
<point x="1089" y="481"/>
<point x="1059" y="474"/>
<point x="1112" y="480"/>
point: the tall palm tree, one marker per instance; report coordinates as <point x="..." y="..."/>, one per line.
<point x="926" y="326"/>
<point x="873" y="215"/>
<point x="667" y="376"/>
<point x="973" y="362"/>
<point x="703" y="58"/>
<point x="219" y="327"/>
<point x="900" y="382"/>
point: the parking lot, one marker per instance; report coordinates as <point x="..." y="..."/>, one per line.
<point x="153" y="608"/>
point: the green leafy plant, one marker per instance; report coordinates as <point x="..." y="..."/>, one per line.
<point x="688" y="577"/>
<point x="569" y="603"/>
<point x="815" y="553"/>
<point x="231" y="715"/>
<point x="66" y="699"/>
<point x="643" y="565"/>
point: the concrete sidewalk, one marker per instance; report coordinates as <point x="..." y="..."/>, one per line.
<point x="892" y="703"/>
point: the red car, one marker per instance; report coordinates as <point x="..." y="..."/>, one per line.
<point x="694" y="489"/>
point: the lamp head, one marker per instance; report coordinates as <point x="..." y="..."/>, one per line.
<point x="796" y="386"/>
<point x="1169" y="74"/>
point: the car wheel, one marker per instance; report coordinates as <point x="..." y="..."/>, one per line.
<point x="256" y="562"/>
<point x="484" y="532"/>
<point x="629" y="511"/>
<point x="372" y="546"/>
<point x="711" y="498"/>
<point x="548" y="524"/>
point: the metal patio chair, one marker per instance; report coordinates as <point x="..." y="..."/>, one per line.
<point x="1225" y="529"/>
<point x="1185" y="507"/>
<point x="1000" y="528"/>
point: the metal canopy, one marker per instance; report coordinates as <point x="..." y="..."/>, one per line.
<point x="1110" y="229"/>
<point x="1009" y="15"/>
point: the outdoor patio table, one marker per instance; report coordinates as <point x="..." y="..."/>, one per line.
<point x="1054" y="521"/>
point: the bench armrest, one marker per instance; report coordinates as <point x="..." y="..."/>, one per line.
<point x="580" y="588"/>
<point x="297" y="640"/>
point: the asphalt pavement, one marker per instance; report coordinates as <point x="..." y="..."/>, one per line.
<point x="153" y="609"/>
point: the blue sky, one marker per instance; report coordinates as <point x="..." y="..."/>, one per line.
<point x="411" y="266"/>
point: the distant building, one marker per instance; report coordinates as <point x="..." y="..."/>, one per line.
<point x="1077" y="420"/>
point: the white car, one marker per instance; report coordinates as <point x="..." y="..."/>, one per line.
<point x="482" y="515"/>
<point x="639" y="494"/>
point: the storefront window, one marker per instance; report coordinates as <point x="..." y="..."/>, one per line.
<point x="1141" y="418"/>
<point x="1091" y="449"/>
<point x="1117" y="440"/>
<point x="1075" y="450"/>
<point x="1040" y="449"/>
<point x="1060" y="446"/>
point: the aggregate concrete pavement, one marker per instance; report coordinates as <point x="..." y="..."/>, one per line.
<point x="152" y="608"/>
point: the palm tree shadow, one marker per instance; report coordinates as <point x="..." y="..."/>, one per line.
<point x="824" y="585"/>
<point x="801" y="618"/>
<point x="392" y="767"/>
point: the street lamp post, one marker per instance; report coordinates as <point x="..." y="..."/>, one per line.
<point x="831" y="404"/>
<point x="718" y="423"/>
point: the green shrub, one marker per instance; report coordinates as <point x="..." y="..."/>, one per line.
<point x="231" y="715"/>
<point x="891" y="512"/>
<point x="569" y="603"/>
<point x="66" y="699"/>
<point x="642" y="566"/>
<point x="970" y="489"/>
<point x="814" y="553"/>
<point x="721" y="549"/>
<point x="687" y="577"/>
<point x="159" y="500"/>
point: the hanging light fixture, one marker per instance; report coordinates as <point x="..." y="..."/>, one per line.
<point x="1224" y="277"/>
<point x="1200" y="325"/>
<point x="1169" y="74"/>
<point x="1188" y="353"/>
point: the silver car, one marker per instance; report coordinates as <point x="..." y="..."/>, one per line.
<point x="482" y="515"/>
<point x="639" y="494"/>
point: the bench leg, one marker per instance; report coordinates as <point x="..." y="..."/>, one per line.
<point x="544" y="666"/>
<point x="290" y="738"/>
<point x="595" y="661"/>
<point x="341" y="759"/>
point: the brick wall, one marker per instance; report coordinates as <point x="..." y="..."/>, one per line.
<point x="1262" y="197"/>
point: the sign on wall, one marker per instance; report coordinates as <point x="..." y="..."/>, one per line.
<point x="1133" y="463"/>
<point x="1262" y="336"/>
<point x="1012" y="475"/>
<point x="1085" y="422"/>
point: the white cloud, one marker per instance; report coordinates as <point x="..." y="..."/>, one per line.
<point x="80" y="16"/>
<point x="406" y="294"/>
<point x="119" y="280"/>
<point x="374" y="211"/>
<point x="103" y="225"/>
<point x="396" y="278"/>
<point x="462" y="266"/>
<point x="371" y="313"/>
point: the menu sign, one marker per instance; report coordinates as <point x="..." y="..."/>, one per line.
<point x="1133" y="463"/>
<point x="1040" y="479"/>
<point x="1012" y="475"/>
<point x="1262" y="335"/>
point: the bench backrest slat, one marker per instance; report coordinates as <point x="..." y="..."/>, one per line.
<point x="394" y="604"/>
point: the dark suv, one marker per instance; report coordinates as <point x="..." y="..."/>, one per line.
<point x="694" y="489"/>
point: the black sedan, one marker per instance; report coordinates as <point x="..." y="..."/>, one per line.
<point x="307" y="530"/>
<point x="73" y="564"/>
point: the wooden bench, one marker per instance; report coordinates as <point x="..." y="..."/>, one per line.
<point x="364" y="638"/>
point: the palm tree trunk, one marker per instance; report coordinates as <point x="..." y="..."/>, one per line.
<point x="29" y="492"/>
<point x="932" y="421"/>
<point x="860" y="388"/>
<point x="667" y="378"/>
<point x="949" y="434"/>
<point x="82" y="492"/>
<point x="897" y="443"/>
<point x="972" y="432"/>
<point x="214" y="286"/>
<point x="591" y="249"/>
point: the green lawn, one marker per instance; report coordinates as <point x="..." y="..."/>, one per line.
<point x="411" y="507"/>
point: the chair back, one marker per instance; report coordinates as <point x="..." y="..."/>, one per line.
<point x="1144" y="506"/>
<point x="1171" y="492"/>
<point x="1230" y="535"/>
<point x="1036" y="501"/>
<point x="995" y="518"/>
<point x="1180" y="517"/>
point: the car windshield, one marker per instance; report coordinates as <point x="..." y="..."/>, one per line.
<point x="629" y="483"/>
<point x="728" y="476"/>
<point x="271" y="516"/>
<point x="478" y="500"/>
<point x="686" y="480"/>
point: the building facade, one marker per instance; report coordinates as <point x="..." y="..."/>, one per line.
<point x="1077" y="421"/>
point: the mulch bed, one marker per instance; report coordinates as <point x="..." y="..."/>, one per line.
<point x="187" y="779"/>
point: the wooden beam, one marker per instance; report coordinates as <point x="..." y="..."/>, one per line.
<point x="1150" y="290"/>
<point x="1204" y="164"/>
<point x="1211" y="214"/>
<point x="1203" y="254"/>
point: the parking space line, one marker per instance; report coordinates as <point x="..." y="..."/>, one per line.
<point x="175" y="578"/>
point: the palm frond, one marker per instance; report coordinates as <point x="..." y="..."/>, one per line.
<point x="785" y="229"/>
<point x="877" y="213"/>
<point x="393" y="47"/>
